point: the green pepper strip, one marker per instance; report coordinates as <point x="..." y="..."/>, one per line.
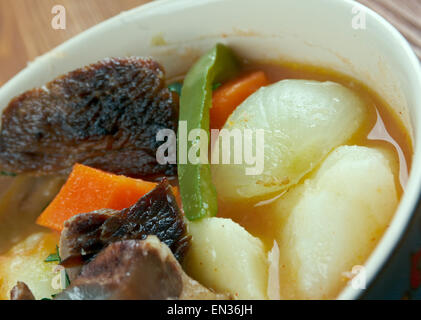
<point x="196" y="188"/>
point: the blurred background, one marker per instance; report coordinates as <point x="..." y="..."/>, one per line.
<point x="26" y="32"/>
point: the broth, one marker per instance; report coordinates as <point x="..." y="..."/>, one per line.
<point x="23" y="198"/>
<point x="382" y="128"/>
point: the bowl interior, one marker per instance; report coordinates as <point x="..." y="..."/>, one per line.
<point x="319" y="32"/>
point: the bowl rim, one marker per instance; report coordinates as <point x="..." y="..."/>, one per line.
<point x="411" y="198"/>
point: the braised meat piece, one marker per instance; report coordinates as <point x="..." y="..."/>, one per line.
<point x="21" y="292"/>
<point x="81" y="239"/>
<point x="105" y="115"/>
<point x="135" y="270"/>
<point x="156" y="213"/>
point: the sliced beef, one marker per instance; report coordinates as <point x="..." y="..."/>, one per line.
<point x="81" y="239"/>
<point x="105" y="115"/>
<point x="135" y="270"/>
<point x="21" y="292"/>
<point x="156" y="213"/>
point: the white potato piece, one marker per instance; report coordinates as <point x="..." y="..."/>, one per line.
<point x="333" y="221"/>
<point x="25" y="262"/>
<point x="225" y="257"/>
<point x="302" y="121"/>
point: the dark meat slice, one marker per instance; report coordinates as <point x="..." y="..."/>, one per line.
<point x="135" y="270"/>
<point x="156" y="213"/>
<point x="21" y="292"/>
<point x="81" y="239"/>
<point x="105" y="115"/>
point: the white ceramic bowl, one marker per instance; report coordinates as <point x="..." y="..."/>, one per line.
<point x="317" y="32"/>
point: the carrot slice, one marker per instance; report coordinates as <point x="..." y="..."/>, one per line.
<point x="228" y="96"/>
<point x="88" y="189"/>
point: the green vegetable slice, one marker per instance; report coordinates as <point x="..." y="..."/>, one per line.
<point x="176" y="87"/>
<point x="196" y="188"/>
<point x="54" y="257"/>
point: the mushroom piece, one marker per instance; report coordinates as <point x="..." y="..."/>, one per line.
<point x="156" y="213"/>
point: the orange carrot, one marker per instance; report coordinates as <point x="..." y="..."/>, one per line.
<point x="88" y="189"/>
<point x="228" y="96"/>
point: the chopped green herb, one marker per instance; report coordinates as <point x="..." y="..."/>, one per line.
<point x="52" y="297"/>
<point x="9" y="174"/>
<point x="54" y="257"/>
<point x="176" y="87"/>
<point x="66" y="279"/>
<point x="216" y="86"/>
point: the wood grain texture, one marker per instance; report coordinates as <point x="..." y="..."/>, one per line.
<point x="26" y="32"/>
<point x="405" y="15"/>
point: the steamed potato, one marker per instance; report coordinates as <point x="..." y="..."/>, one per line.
<point x="333" y="221"/>
<point x="225" y="257"/>
<point x="302" y="122"/>
<point x="25" y="262"/>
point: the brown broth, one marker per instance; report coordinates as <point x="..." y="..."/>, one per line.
<point x="382" y="128"/>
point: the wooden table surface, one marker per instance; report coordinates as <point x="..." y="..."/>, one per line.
<point x="26" y="32"/>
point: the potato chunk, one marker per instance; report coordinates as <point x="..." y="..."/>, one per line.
<point x="333" y="221"/>
<point x="25" y="262"/>
<point x="225" y="257"/>
<point x="302" y="121"/>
